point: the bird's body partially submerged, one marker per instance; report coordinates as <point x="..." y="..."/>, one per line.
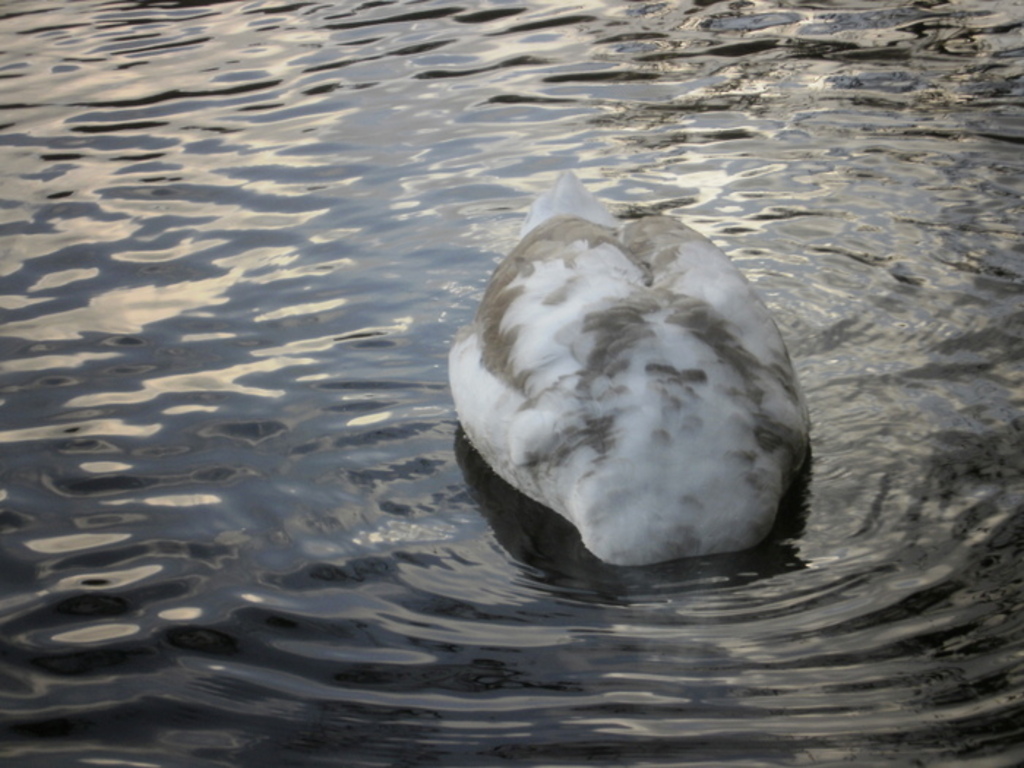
<point x="629" y="378"/>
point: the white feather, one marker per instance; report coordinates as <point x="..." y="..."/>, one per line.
<point x="567" y="198"/>
<point x="629" y="378"/>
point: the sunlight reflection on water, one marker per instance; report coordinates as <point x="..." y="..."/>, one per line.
<point x="239" y="528"/>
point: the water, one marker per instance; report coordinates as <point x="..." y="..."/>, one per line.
<point x="238" y="528"/>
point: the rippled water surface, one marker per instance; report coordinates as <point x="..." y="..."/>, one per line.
<point x="238" y="525"/>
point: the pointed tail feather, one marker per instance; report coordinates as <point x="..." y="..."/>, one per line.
<point x="568" y="196"/>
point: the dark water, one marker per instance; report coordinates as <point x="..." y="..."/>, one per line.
<point x="236" y="240"/>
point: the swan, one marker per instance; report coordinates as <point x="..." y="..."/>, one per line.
<point x="627" y="376"/>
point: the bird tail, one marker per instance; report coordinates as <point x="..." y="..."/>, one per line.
<point x="568" y="196"/>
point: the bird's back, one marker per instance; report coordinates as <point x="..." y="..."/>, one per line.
<point x="630" y="379"/>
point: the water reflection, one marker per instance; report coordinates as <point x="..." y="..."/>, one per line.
<point x="236" y="238"/>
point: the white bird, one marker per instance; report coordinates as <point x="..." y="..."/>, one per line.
<point x="628" y="377"/>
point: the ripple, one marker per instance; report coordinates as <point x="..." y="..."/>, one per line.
<point x="76" y="542"/>
<point x="241" y="526"/>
